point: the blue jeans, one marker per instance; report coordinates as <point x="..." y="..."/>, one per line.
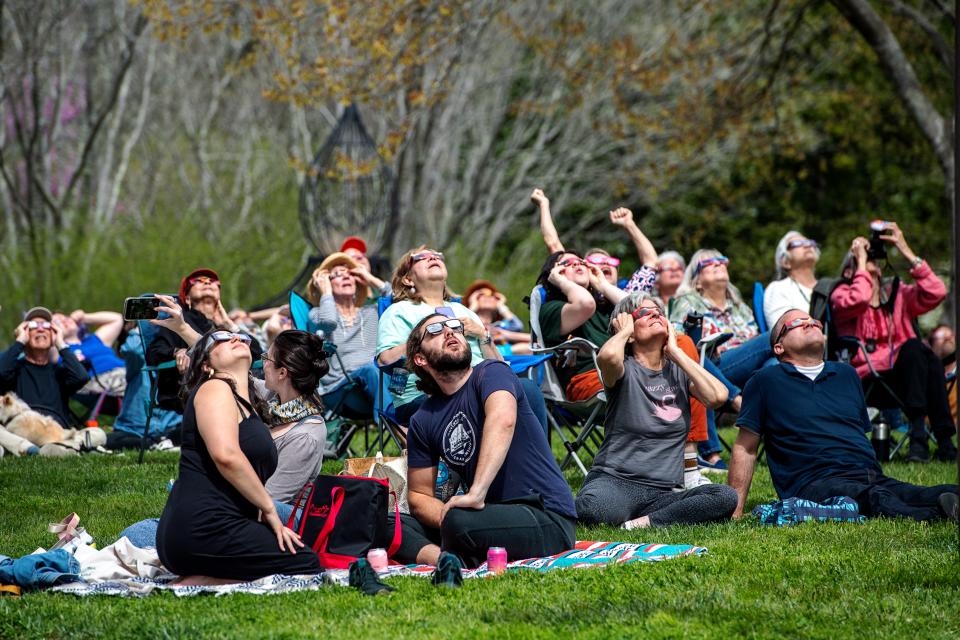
<point x="362" y="397"/>
<point x="734" y="368"/>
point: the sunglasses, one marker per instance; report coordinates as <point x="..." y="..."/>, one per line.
<point x="39" y="324"/>
<point x="202" y="280"/>
<point x="339" y="274"/>
<point x="601" y="260"/>
<point x="646" y="311"/>
<point x="669" y="269"/>
<point x="802" y="244"/>
<point x="572" y="262"/>
<point x="436" y="328"/>
<point x="712" y="262"/>
<point x="425" y="255"/>
<point x="795" y="324"/>
<point x="227" y="336"/>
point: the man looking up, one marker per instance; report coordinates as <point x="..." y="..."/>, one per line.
<point x="477" y="419"/>
<point x="812" y="418"/>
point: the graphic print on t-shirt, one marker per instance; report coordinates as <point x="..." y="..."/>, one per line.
<point x="665" y="406"/>
<point x="459" y="439"/>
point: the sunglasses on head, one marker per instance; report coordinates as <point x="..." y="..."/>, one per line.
<point x="646" y="311"/>
<point x="712" y="262"/>
<point x="572" y="262"/>
<point x="436" y="328"/>
<point x="39" y="324"/>
<point x="795" y="324"/>
<point x="601" y="260"/>
<point x="801" y="244"/>
<point x="424" y="255"/>
<point x="203" y="280"/>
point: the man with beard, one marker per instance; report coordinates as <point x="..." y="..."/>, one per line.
<point x="40" y="368"/>
<point x="812" y="418"/>
<point x="477" y="419"/>
<point x="200" y="294"/>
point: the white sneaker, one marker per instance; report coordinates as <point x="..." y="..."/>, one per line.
<point x="694" y="478"/>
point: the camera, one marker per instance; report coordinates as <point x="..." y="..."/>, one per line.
<point x="878" y="248"/>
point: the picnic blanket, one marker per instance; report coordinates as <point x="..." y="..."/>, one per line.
<point x="584" y="555"/>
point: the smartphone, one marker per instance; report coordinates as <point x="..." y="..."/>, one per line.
<point x="144" y="308"/>
<point x="445" y="311"/>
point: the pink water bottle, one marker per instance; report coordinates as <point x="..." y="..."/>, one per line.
<point x="377" y="559"/>
<point x="497" y="560"/>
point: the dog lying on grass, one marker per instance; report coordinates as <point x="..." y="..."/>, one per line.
<point x="24" y="431"/>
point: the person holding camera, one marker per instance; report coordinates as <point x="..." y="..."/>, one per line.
<point x="881" y="314"/>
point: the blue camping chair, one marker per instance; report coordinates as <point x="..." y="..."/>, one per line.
<point x="758" y="307"/>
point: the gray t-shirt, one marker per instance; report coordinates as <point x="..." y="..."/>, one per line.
<point x="647" y="423"/>
<point x="299" y="456"/>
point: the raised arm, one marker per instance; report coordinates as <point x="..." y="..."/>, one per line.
<point x="500" y="409"/>
<point x="742" y="463"/>
<point x="623" y="217"/>
<point x="703" y="386"/>
<point x="610" y="356"/>
<point x="550" y="236"/>
<point x="580" y="304"/>
<point x="109" y="324"/>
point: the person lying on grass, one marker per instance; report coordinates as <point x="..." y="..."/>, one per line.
<point x="478" y="420"/>
<point x="637" y="477"/>
<point x="812" y="418"/>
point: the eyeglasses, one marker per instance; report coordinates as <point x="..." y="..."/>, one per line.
<point x="425" y="255"/>
<point x="39" y="324"/>
<point x="436" y="328"/>
<point x="794" y="324"/>
<point x="669" y="269"/>
<point x="339" y="274"/>
<point x="202" y="280"/>
<point x="646" y="311"/>
<point x="572" y="262"/>
<point x="801" y="244"/>
<point x="712" y="262"/>
<point x="264" y="357"/>
<point x="601" y="260"/>
<point x="226" y="336"/>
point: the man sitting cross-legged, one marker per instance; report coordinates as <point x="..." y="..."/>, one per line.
<point x="812" y="417"/>
<point x="637" y="477"/>
<point x="477" y="419"/>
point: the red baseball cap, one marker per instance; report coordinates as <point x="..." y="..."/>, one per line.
<point x="185" y="283"/>
<point x="354" y="242"/>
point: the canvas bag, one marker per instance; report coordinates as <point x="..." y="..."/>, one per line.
<point x="391" y="469"/>
<point x="344" y="517"/>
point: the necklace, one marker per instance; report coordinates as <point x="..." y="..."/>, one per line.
<point x="805" y="297"/>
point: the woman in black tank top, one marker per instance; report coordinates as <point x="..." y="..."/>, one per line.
<point x="219" y="520"/>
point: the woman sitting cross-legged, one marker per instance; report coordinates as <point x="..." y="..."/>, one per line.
<point x="219" y="520"/>
<point x="637" y="477"/>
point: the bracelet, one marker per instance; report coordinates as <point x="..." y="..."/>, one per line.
<point x="916" y="262"/>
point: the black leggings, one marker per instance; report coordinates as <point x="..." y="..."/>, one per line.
<point x="917" y="378"/>
<point x="523" y="527"/>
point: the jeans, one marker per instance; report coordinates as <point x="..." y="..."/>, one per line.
<point x="879" y="495"/>
<point x="606" y="499"/>
<point x="734" y="368"/>
<point x="363" y="396"/>
<point x="530" y="389"/>
<point x="522" y="526"/>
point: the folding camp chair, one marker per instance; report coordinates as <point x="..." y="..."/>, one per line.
<point x="576" y="423"/>
<point x="758" y="307"/>
<point x="148" y="332"/>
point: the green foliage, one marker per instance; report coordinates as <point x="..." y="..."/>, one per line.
<point x="885" y="579"/>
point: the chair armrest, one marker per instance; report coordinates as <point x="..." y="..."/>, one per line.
<point x="169" y="364"/>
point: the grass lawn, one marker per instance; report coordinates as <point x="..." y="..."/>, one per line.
<point x="885" y="579"/>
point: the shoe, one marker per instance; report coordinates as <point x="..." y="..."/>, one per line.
<point x="950" y="505"/>
<point x="946" y="452"/>
<point x="363" y="577"/>
<point x="712" y="467"/>
<point x="918" y="451"/>
<point x="692" y="478"/>
<point x="449" y="571"/>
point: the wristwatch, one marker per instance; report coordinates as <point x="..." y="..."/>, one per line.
<point x="487" y="339"/>
<point x="916" y="262"/>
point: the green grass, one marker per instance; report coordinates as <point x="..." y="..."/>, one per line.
<point x="885" y="579"/>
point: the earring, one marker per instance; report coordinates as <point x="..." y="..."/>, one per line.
<point x="413" y="289"/>
<point x="209" y="373"/>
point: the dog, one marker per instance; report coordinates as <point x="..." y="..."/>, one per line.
<point x="25" y="424"/>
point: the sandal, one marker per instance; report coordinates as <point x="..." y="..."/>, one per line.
<point x="68" y="530"/>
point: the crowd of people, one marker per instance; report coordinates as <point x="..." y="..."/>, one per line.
<point x="243" y="395"/>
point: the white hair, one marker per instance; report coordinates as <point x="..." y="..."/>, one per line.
<point x="782" y="254"/>
<point x="672" y="255"/>
<point x="691" y="276"/>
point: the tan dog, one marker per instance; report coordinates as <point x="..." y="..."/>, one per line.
<point x="20" y="420"/>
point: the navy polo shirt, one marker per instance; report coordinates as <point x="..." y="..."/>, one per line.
<point x="812" y="429"/>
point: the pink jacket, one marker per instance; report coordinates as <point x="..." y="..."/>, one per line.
<point x="853" y="315"/>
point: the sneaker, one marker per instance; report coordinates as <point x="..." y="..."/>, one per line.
<point x="946" y="452"/>
<point x="692" y="478"/>
<point x="449" y="571"/>
<point x="712" y="467"/>
<point x="363" y="577"/>
<point x="950" y="505"/>
<point x="918" y="451"/>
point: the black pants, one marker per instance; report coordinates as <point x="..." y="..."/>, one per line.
<point x="879" y="495"/>
<point x="523" y="527"/>
<point x="119" y="439"/>
<point x="917" y="378"/>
